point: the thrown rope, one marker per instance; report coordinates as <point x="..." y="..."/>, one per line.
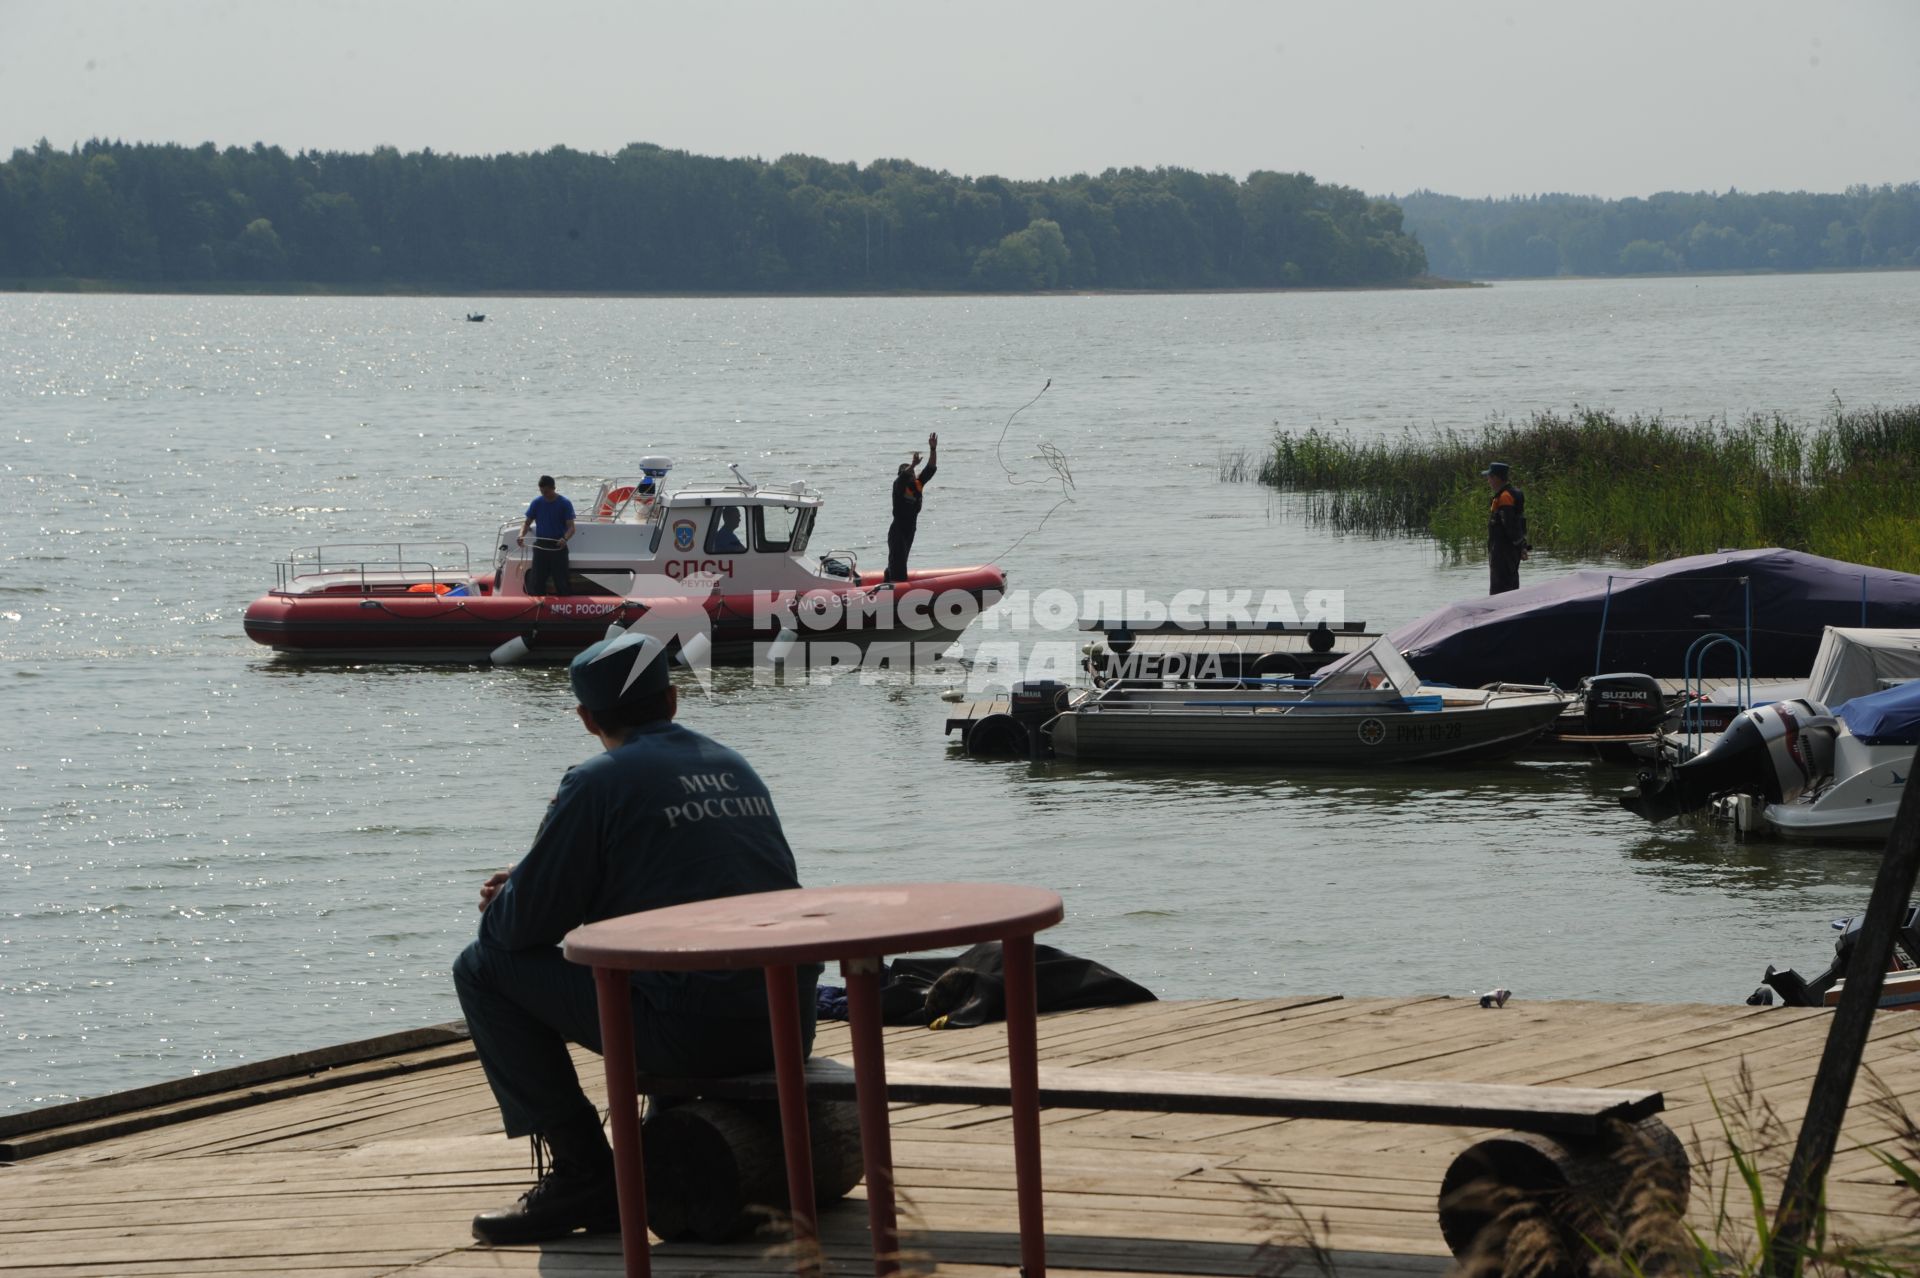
<point x="1056" y="462"/>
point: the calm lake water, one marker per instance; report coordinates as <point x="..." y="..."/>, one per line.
<point x="207" y="856"/>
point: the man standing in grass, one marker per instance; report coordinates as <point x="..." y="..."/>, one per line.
<point x="1506" y="530"/>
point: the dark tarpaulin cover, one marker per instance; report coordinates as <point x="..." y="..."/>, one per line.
<point x="1888" y="717"/>
<point x="971" y="989"/>
<point x="1551" y="631"/>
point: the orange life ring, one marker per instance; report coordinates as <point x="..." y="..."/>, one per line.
<point x="614" y="500"/>
<point x="430" y="588"/>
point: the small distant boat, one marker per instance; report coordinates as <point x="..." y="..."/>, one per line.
<point x="1366" y="710"/>
<point x="475" y="317"/>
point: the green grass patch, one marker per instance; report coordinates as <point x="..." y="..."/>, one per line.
<point x="1635" y="488"/>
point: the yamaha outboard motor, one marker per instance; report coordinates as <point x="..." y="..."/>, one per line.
<point x="1624" y="704"/>
<point x="1771" y="752"/>
<point x="1796" y="991"/>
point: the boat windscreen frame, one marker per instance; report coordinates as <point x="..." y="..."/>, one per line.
<point x="1397" y="675"/>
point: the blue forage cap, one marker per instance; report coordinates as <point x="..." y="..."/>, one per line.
<point x="622" y="670"/>
<point x="1495" y="468"/>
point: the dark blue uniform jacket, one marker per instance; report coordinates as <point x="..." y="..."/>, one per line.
<point x="668" y="817"/>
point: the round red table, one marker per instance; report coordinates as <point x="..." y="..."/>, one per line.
<point x="855" y="926"/>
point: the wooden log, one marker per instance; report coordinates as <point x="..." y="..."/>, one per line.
<point x="1579" y="1187"/>
<point x="716" y="1170"/>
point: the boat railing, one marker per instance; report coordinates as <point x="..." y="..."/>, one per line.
<point x="799" y="488"/>
<point x="1225" y="625"/>
<point x="619" y="500"/>
<point x="847" y="559"/>
<point x="1495" y="691"/>
<point x="1224" y="682"/>
<point x="1114" y="699"/>
<point x="1693" y="685"/>
<point x="375" y="565"/>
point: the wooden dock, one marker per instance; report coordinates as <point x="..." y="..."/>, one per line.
<point x="374" y="1166"/>
<point x="967" y="713"/>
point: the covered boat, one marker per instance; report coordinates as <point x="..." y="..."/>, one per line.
<point x="726" y="565"/>
<point x="1367" y="710"/>
<point x="1775" y="602"/>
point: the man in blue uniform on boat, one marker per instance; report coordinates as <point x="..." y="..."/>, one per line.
<point x="1506" y="530"/>
<point x="550" y="518"/>
<point x="908" y="489"/>
<point x="662" y="817"/>
<point x="726" y="532"/>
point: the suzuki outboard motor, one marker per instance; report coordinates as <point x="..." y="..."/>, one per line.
<point x="1771" y="752"/>
<point x="1623" y="704"/>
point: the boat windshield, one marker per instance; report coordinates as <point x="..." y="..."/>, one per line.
<point x="1376" y="668"/>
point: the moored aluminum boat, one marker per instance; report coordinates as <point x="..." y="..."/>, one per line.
<point x="1367" y="710"/>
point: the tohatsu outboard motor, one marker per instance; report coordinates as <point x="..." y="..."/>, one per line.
<point x="1796" y="990"/>
<point x="1772" y="752"/>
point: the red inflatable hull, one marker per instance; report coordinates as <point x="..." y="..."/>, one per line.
<point x="931" y="605"/>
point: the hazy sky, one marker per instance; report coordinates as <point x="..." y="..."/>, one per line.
<point x="1614" y="98"/>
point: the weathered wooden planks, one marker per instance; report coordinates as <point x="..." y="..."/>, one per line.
<point x="378" y="1170"/>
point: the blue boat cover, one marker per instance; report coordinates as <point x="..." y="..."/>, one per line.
<point x="1890" y="716"/>
<point x="1552" y="631"/>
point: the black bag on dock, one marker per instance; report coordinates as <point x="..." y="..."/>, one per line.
<point x="972" y="990"/>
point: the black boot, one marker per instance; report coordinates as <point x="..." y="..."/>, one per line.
<point x="573" y="1189"/>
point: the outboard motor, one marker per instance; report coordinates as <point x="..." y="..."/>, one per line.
<point x="1797" y="991"/>
<point x="1772" y="752"/>
<point x="1037" y="701"/>
<point x="1624" y="704"/>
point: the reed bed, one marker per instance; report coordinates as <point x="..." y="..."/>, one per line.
<point x="1636" y="488"/>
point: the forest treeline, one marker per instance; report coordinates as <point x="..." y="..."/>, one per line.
<point x="649" y="219"/>
<point x="1582" y="235"/>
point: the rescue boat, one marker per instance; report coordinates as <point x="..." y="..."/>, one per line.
<point x="723" y="565"/>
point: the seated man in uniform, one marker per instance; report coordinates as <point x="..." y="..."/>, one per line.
<point x="634" y="828"/>
<point x="726" y="533"/>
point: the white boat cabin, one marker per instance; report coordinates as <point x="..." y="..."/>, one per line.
<point x="1854" y="661"/>
<point x="739" y="537"/>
